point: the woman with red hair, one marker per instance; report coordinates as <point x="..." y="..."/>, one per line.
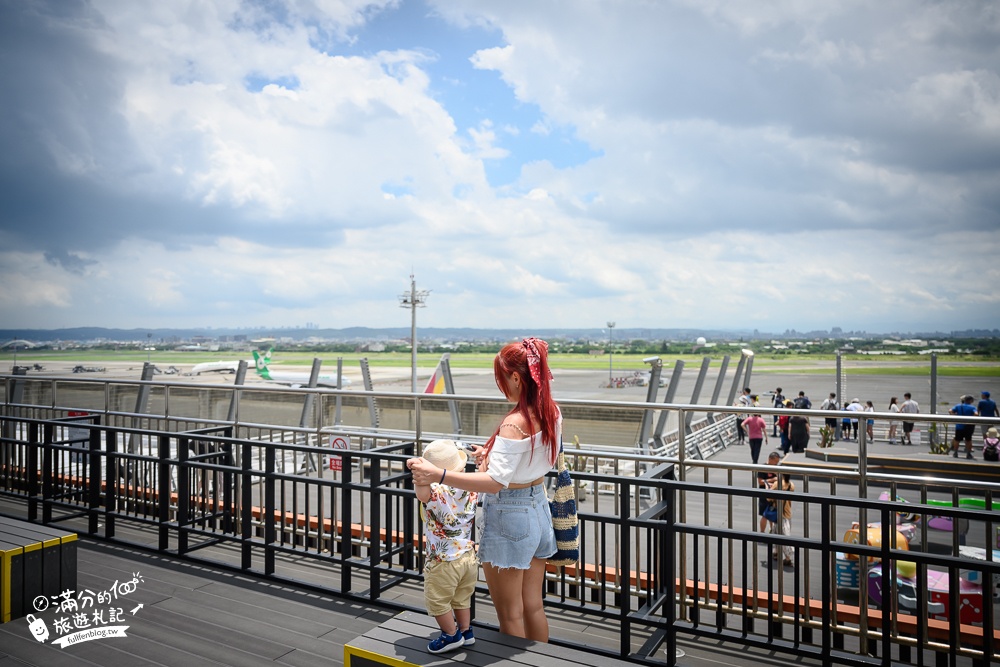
<point x="516" y="530"/>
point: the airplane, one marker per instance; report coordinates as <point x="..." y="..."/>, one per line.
<point x="214" y="367"/>
<point x="292" y="379"/>
<point x="223" y="366"/>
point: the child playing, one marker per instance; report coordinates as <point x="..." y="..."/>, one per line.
<point x="451" y="568"/>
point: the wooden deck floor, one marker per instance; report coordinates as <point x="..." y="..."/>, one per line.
<point x="192" y="615"/>
<point x="195" y="615"/>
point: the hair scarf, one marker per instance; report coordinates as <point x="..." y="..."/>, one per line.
<point x="535" y="359"/>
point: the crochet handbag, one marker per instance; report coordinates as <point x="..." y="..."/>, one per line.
<point x="564" y="520"/>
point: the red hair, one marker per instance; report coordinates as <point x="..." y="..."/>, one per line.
<point x="535" y="401"/>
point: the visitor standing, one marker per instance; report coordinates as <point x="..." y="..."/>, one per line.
<point x="777" y="402"/>
<point x="756" y="429"/>
<point x="798" y="433"/>
<point x="909" y="407"/>
<point x="987" y="408"/>
<point x="870" y="423"/>
<point x="893" y="424"/>
<point x="855" y="407"/>
<point x="830" y="404"/>
<point x="510" y="476"/>
<point x="744" y="401"/>
<point x="964" y="408"/>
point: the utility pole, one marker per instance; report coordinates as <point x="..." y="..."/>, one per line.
<point x="611" y="327"/>
<point x="413" y="299"/>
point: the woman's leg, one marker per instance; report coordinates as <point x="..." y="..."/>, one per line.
<point x="505" y="590"/>
<point x="536" y="625"/>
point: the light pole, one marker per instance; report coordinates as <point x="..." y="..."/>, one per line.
<point x="611" y="328"/>
<point x="149" y="346"/>
<point x="413" y="299"/>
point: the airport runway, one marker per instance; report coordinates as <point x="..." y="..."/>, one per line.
<point x="817" y="380"/>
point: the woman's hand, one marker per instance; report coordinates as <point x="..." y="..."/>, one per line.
<point x="476" y="454"/>
<point x="423" y="471"/>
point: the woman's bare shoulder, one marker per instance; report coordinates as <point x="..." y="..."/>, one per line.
<point x="515" y="425"/>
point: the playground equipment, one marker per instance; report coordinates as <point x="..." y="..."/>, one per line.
<point x="970" y="595"/>
<point x="945" y="522"/>
<point x="901" y="517"/>
<point x="874" y="538"/>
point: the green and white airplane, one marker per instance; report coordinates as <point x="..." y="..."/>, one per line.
<point x="291" y="378"/>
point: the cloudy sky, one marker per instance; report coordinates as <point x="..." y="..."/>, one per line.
<point x="684" y="163"/>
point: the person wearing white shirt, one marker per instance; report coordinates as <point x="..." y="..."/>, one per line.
<point x="909" y="407"/>
<point x="516" y="532"/>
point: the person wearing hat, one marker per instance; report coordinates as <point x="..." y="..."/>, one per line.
<point x="991" y="445"/>
<point x="964" y="431"/>
<point x="855" y="407"/>
<point x="987" y="408"/>
<point x="450" y="568"/>
<point x="510" y="474"/>
<point x="786" y="443"/>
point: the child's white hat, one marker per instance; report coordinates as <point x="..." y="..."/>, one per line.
<point x="446" y="454"/>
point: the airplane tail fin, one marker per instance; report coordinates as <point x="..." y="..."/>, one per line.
<point x="261" y="363"/>
<point x="437" y="384"/>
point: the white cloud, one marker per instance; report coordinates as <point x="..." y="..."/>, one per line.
<point x="710" y="164"/>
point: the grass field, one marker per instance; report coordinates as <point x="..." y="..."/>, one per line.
<point x="910" y="365"/>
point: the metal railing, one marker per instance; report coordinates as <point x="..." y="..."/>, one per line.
<point x="671" y="547"/>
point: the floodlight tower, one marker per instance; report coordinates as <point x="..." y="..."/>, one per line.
<point x="413" y="299"/>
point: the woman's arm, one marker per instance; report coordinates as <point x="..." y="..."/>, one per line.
<point x="425" y="472"/>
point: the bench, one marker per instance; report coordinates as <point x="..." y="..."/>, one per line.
<point x="35" y="561"/>
<point x="403" y="640"/>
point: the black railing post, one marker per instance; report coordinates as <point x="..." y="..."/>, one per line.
<point x="94" y="480"/>
<point x="31" y="471"/>
<point x="163" y="490"/>
<point x="375" y="539"/>
<point x="669" y="585"/>
<point x="47" y="473"/>
<point x="227" y="489"/>
<point x="184" y="511"/>
<point x="246" y="506"/>
<point x="826" y="585"/>
<point x="269" y="508"/>
<point x="409" y="523"/>
<point x="111" y="482"/>
<point x="624" y="569"/>
<point x="346" y="510"/>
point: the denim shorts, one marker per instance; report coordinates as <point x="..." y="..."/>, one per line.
<point x="516" y="527"/>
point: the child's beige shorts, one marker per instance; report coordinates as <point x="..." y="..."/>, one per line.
<point x="449" y="584"/>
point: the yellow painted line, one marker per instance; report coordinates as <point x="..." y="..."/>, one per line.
<point x="374" y="657"/>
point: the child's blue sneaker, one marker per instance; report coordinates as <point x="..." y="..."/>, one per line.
<point x="446" y="643"/>
<point x="468" y="637"/>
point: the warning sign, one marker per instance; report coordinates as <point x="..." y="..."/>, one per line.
<point x="79" y="438"/>
<point x="338" y="442"/>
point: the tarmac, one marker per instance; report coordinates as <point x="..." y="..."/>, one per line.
<point x="816" y="378"/>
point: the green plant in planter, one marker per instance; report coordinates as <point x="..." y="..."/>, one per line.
<point x="825" y="436"/>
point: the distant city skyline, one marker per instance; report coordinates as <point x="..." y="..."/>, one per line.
<point x="722" y="165"/>
<point x="424" y="334"/>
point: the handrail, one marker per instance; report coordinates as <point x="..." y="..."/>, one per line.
<point x="658" y="557"/>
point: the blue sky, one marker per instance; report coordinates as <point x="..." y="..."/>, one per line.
<point x="549" y="163"/>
